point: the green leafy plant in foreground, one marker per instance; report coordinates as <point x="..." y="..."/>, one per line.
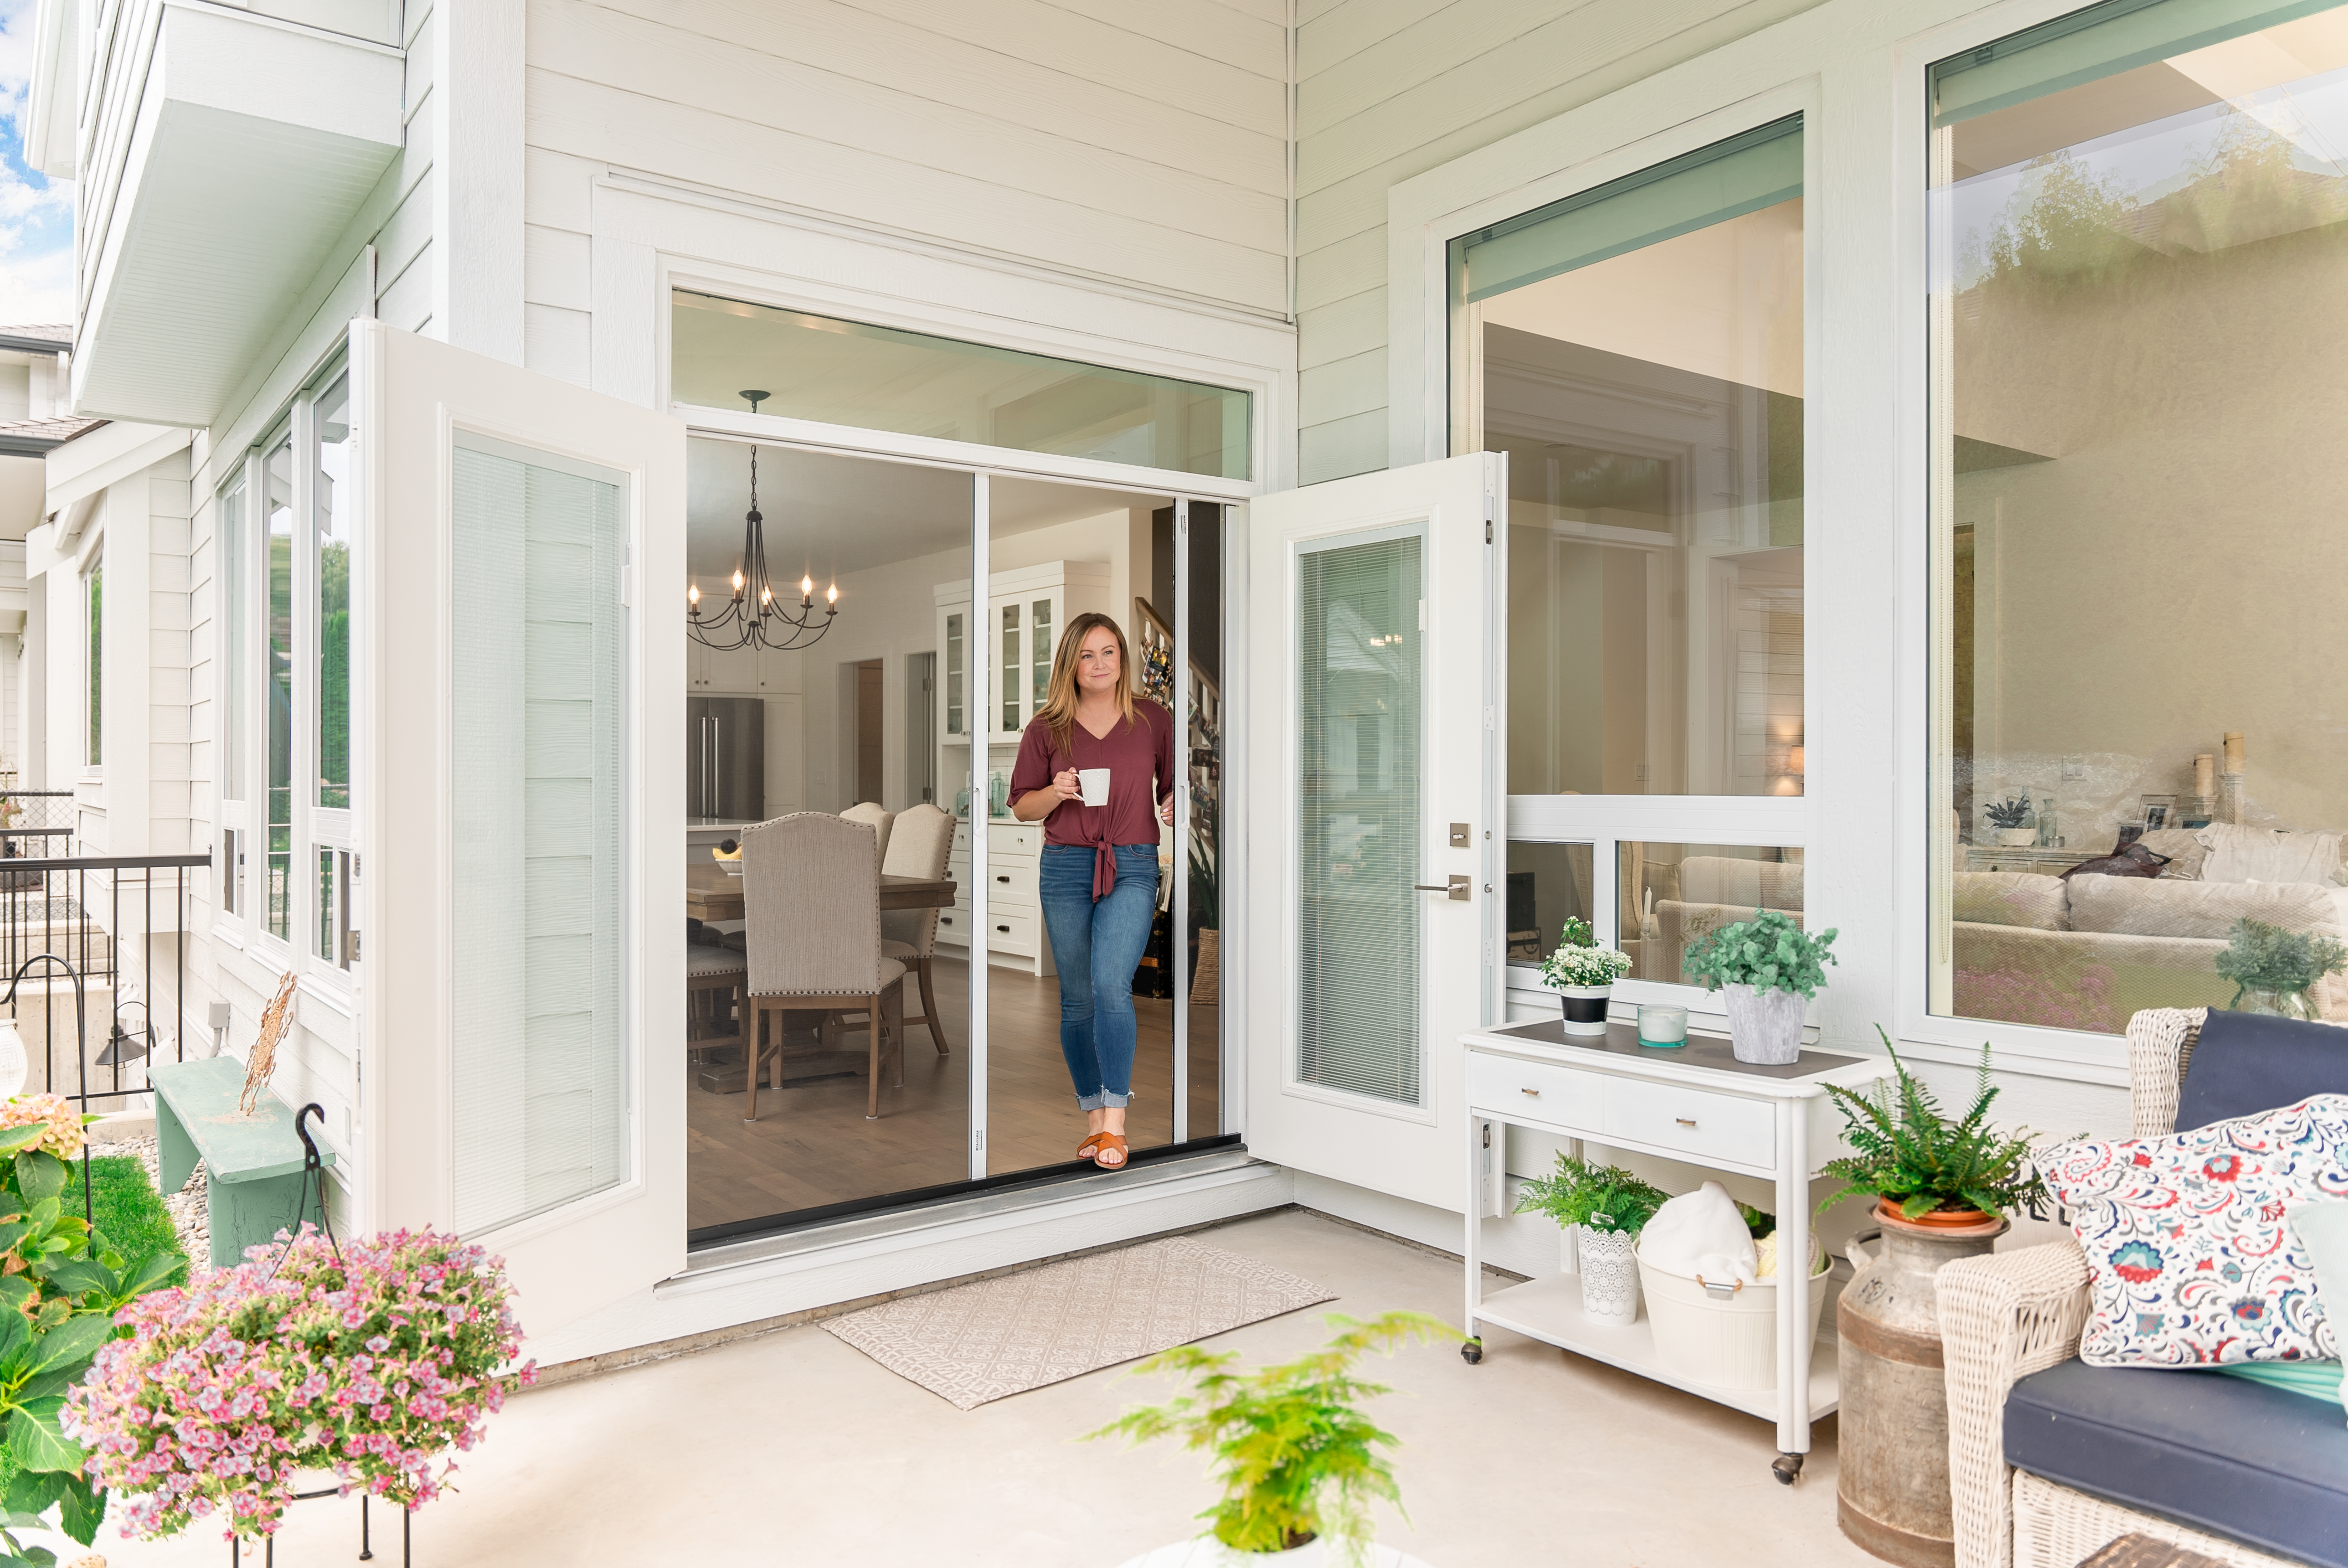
<point x="1906" y="1150"/>
<point x="1297" y="1458"/>
<point x="61" y="1284"/>
<point x="1602" y="1198"/>
<point x="2260" y="957"/>
<point x="1769" y="952"/>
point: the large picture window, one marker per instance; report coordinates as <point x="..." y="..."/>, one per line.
<point x="2139" y="243"/>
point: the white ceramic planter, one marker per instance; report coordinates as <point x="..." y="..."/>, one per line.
<point x="1209" y="1553"/>
<point x="2017" y="837"/>
<point x="1764" y="1027"/>
<point x="1610" y="1277"/>
<point x="1585" y="1008"/>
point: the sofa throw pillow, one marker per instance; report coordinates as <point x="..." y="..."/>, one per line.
<point x="2243" y="1063"/>
<point x="2183" y="850"/>
<point x="2191" y="1259"/>
<point x="2261" y="855"/>
<point x="2011" y="899"/>
<point x="2135" y="907"/>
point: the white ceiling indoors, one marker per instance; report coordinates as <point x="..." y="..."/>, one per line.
<point x="827" y="515"/>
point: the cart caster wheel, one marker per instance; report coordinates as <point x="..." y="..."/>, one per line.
<point x="1472" y="1351"/>
<point x="1785" y="1467"/>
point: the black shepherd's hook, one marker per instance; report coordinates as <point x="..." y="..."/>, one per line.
<point x="313" y="1169"/>
<point x="81" y="1054"/>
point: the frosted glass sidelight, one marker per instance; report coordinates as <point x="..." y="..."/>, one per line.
<point x="1358" y="784"/>
<point x="540" y="1041"/>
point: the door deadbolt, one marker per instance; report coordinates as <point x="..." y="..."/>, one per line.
<point x="1459" y="836"/>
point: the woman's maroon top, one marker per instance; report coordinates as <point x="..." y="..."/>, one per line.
<point x="1140" y="760"/>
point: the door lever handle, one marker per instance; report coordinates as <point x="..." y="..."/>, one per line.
<point x="1459" y="888"/>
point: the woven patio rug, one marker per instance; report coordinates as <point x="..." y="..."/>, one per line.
<point x="995" y="1338"/>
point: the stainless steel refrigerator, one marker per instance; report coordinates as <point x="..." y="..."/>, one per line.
<point x="725" y="771"/>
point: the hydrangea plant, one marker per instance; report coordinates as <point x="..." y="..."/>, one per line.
<point x="1769" y="952"/>
<point x="373" y="1359"/>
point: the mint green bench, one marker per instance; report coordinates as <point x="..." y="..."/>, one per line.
<point x="253" y="1164"/>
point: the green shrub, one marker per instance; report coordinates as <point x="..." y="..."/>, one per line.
<point x="129" y="1213"/>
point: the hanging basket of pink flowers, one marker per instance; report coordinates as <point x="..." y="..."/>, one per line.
<point x="376" y="1360"/>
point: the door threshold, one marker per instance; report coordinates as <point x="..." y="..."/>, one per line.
<point x="822" y="1235"/>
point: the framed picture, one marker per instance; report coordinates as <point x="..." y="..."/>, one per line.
<point x="2160" y="810"/>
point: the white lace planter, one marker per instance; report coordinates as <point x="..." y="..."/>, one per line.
<point x="1209" y="1553"/>
<point x="1610" y="1277"/>
<point x="1764" y="1027"/>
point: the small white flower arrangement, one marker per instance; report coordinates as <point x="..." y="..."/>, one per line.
<point x="1579" y="963"/>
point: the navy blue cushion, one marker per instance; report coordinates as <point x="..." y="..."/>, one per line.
<point x="2258" y="1464"/>
<point x="2247" y="1062"/>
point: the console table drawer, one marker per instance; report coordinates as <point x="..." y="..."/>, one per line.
<point x="1693" y="1123"/>
<point x="1535" y="1091"/>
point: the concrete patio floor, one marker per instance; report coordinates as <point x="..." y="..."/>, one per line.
<point x="793" y="1449"/>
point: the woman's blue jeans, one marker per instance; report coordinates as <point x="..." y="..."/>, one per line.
<point x="1097" y="945"/>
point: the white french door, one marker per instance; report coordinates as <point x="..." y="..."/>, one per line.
<point x="1377" y="809"/>
<point x="523" y="872"/>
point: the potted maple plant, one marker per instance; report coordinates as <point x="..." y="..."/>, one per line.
<point x="1298" y="1463"/>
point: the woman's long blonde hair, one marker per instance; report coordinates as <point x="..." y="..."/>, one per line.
<point x="1059" y="710"/>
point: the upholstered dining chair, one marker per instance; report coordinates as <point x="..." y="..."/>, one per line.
<point x="811" y="893"/>
<point x="714" y="978"/>
<point x="881" y="822"/>
<point x="919" y="846"/>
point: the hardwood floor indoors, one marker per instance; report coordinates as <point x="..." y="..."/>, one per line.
<point x="811" y="1145"/>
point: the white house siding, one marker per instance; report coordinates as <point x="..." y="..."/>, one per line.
<point x="1389" y="88"/>
<point x="1143" y="144"/>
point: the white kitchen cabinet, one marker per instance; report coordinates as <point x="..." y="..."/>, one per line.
<point x="1016" y="636"/>
<point x="1015" y="915"/>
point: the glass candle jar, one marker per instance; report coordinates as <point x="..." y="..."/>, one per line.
<point x="1662" y="1023"/>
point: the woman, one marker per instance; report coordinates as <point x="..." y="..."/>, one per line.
<point x="1099" y="877"/>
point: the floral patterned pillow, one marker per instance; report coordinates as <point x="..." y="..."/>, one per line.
<point x="2190" y="1260"/>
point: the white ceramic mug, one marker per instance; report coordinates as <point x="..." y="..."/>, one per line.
<point x="1095" y="783"/>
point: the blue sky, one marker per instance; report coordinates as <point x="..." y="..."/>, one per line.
<point x="36" y="213"/>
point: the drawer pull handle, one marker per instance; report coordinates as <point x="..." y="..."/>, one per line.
<point x="1685" y="1121"/>
<point x="1005" y="930"/>
<point x="1534" y="1092"/>
<point x="1005" y="880"/>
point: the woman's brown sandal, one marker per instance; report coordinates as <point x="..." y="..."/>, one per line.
<point x="1084" y="1150"/>
<point x="1110" y="1143"/>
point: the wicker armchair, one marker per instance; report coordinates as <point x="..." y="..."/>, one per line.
<point x="2011" y="1314"/>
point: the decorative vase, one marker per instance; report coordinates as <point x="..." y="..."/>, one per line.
<point x="1891" y="1486"/>
<point x="2274" y="1002"/>
<point x="998" y="795"/>
<point x="1585" y="1008"/>
<point x="2018" y="838"/>
<point x="1610" y="1277"/>
<point x="1209" y="1553"/>
<point x="1764" y="1027"/>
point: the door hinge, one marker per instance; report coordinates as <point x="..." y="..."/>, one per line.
<point x="1487" y="717"/>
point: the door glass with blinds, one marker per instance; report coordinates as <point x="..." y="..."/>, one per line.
<point x="1359" y="604"/>
<point x="539" y="1043"/>
<point x="2138" y="232"/>
<point x="1637" y="352"/>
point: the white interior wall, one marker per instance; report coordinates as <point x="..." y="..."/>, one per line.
<point x="1385" y="91"/>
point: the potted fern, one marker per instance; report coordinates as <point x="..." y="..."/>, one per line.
<point x="1923" y="1169"/>
<point x="1767" y="968"/>
<point x="1583" y="975"/>
<point x="1298" y="1463"/>
<point x="1600" y="1209"/>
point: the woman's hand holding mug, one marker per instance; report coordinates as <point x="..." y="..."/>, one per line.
<point x="1067" y="785"/>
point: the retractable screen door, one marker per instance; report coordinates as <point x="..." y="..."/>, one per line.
<point x="524" y="872"/>
<point x="1373" y="813"/>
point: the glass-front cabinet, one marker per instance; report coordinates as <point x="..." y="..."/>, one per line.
<point x="1024" y="611"/>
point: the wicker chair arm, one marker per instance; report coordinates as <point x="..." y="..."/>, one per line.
<point x="2003" y="1318"/>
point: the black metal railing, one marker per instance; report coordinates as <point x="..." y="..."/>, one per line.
<point x="112" y="928"/>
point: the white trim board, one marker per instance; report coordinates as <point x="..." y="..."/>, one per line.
<point x="857" y="1259"/>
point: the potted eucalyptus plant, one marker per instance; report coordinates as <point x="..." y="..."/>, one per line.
<point x="1601" y="1209"/>
<point x="1767" y="968"/>
<point x="2272" y="969"/>
<point x="1583" y="975"/>
<point x="1298" y="1461"/>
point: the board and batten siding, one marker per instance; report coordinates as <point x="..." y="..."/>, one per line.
<point x="1387" y="89"/>
<point x="1143" y="142"/>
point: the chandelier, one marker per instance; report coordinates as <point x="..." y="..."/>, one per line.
<point x="754" y="619"/>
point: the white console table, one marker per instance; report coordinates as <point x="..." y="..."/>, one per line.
<point x="1696" y="1103"/>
